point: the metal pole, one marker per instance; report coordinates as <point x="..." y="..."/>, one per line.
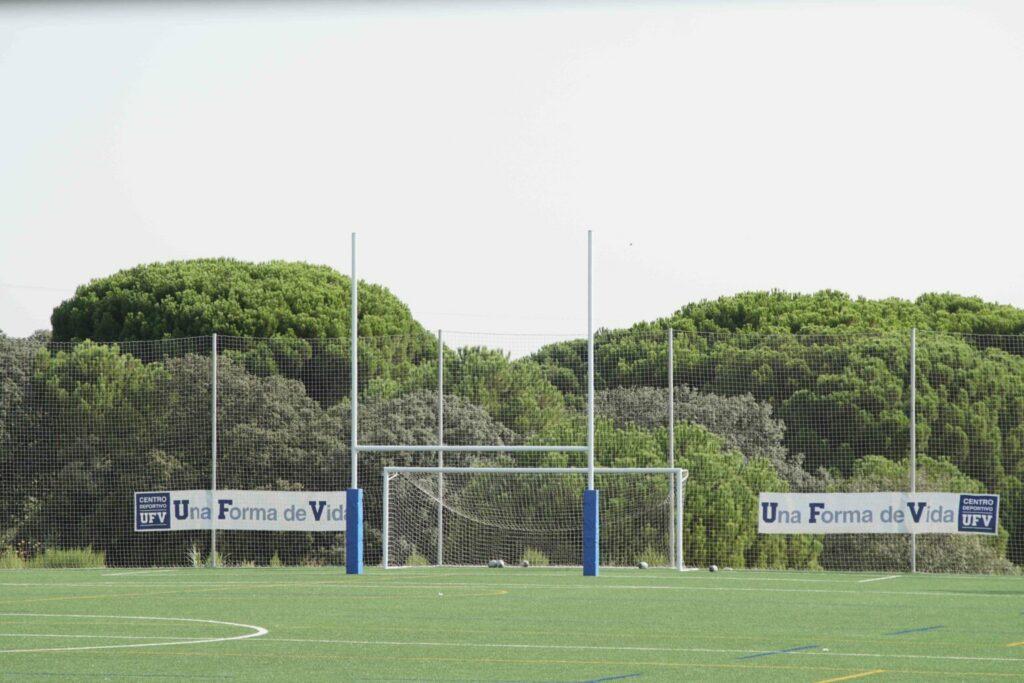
<point x="213" y="443"/>
<point x="913" y="437"/>
<point x="384" y="526"/>
<point x="440" y="453"/>
<point x="679" y="519"/>
<point x="590" y="359"/>
<point x="671" y="443"/>
<point x="354" y="350"/>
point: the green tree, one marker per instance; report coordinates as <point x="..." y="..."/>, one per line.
<point x="298" y="302"/>
<point x="743" y="423"/>
<point x="516" y="393"/>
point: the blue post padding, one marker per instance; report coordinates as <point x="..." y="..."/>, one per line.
<point x="354" y="531"/>
<point x="591" y="533"/>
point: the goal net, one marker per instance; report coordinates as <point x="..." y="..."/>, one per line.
<point x="473" y="515"/>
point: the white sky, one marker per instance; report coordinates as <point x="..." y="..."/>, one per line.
<point x="714" y="147"/>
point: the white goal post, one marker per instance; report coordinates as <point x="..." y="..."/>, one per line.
<point x="531" y="514"/>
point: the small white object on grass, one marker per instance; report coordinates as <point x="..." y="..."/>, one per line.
<point x="642" y="565"/>
<point x="526" y="563"/>
<point x="496" y="564"/>
<point x="713" y="568"/>
<point x="440" y="595"/>
<point x="824" y="649"/>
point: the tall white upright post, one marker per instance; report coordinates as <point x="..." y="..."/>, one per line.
<point x="590" y="359"/>
<point x="354" y="496"/>
<point x="213" y="442"/>
<point x="354" y="376"/>
<point x="679" y="519"/>
<point x="672" y="439"/>
<point x="440" y="453"/>
<point x="385" y="520"/>
<point x="591" y="506"/>
<point x="913" y="437"/>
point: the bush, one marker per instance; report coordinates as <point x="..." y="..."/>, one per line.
<point x="9" y="559"/>
<point x="68" y="558"/>
<point x="535" y="557"/>
<point x="416" y="560"/>
<point x="653" y="557"/>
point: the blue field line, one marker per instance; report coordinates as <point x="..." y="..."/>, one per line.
<point x="778" y="652"/>
<point x="915" y="630"/>
<point x="612" y="678"/>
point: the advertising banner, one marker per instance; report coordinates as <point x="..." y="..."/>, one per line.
<point x="878" y="513"/>
<point x="243" y="510"/>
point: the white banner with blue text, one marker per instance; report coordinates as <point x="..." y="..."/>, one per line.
<point x="878" y="513"/>
<point x="242" y="510"/>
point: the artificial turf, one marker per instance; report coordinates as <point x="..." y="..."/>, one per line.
<point x="512" y="624"/>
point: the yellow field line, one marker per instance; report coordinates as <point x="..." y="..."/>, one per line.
<point x="1015" y="644"/>
<point x="863" y="674"/>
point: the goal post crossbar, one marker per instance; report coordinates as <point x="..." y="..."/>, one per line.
<point x="489" y="448"/>
<point x="426" y="469"/>
<point x="678" y="476"/>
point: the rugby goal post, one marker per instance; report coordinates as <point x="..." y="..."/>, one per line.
<point x="530" y="514"/>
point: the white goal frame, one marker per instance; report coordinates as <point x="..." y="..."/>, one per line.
<point x="679" y="476"/>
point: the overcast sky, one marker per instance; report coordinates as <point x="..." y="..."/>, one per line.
<point x="713" y="147"/>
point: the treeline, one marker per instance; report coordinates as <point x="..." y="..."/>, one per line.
<point x="774" y="391"/>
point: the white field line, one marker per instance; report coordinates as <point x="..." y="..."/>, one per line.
<point x="405" y="580"/>
<point x="629" y="648"/>
<point x="80" y="635"/>
<point x="138" y="571"/>
<point x="880" y="578"/>
<point x="257" y="631"/>
<point x="505" y="585"/>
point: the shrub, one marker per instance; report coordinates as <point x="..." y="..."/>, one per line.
<point x="68" y="558"/>
<point x="654" y="557"/>
<point x="9" y="559"/>
<point x="416" y="560"/>
<point x="536" y="558"/>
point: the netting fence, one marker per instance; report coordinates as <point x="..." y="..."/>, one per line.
<point x="83" y="426"/>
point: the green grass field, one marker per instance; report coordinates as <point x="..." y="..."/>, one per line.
<point x="508" y="625"/>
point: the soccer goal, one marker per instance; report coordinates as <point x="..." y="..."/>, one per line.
<point x="529" y="516"/>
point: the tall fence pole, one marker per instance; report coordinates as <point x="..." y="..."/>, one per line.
<point x="213" y="442"/>
<point x="440" y="441"/>
<point x="672" y="441"/>
<point x="913" y="437"/>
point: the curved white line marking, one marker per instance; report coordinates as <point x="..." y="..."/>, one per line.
<point x="257" y="631"/>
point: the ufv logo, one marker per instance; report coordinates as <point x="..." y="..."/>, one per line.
<point x="152" y="511"/>
<point x="978" y="513"/>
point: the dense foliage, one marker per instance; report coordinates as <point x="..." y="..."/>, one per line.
<point x="835" y="371"/>
<point x="773" y="391"/>
<point x="202" y="296"/>
<point x="305" y="307"/>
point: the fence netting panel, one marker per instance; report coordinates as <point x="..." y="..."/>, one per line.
<point x="531" y="517"/>
<point x="84" y="425"/>
<point x="280" y="428"/>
